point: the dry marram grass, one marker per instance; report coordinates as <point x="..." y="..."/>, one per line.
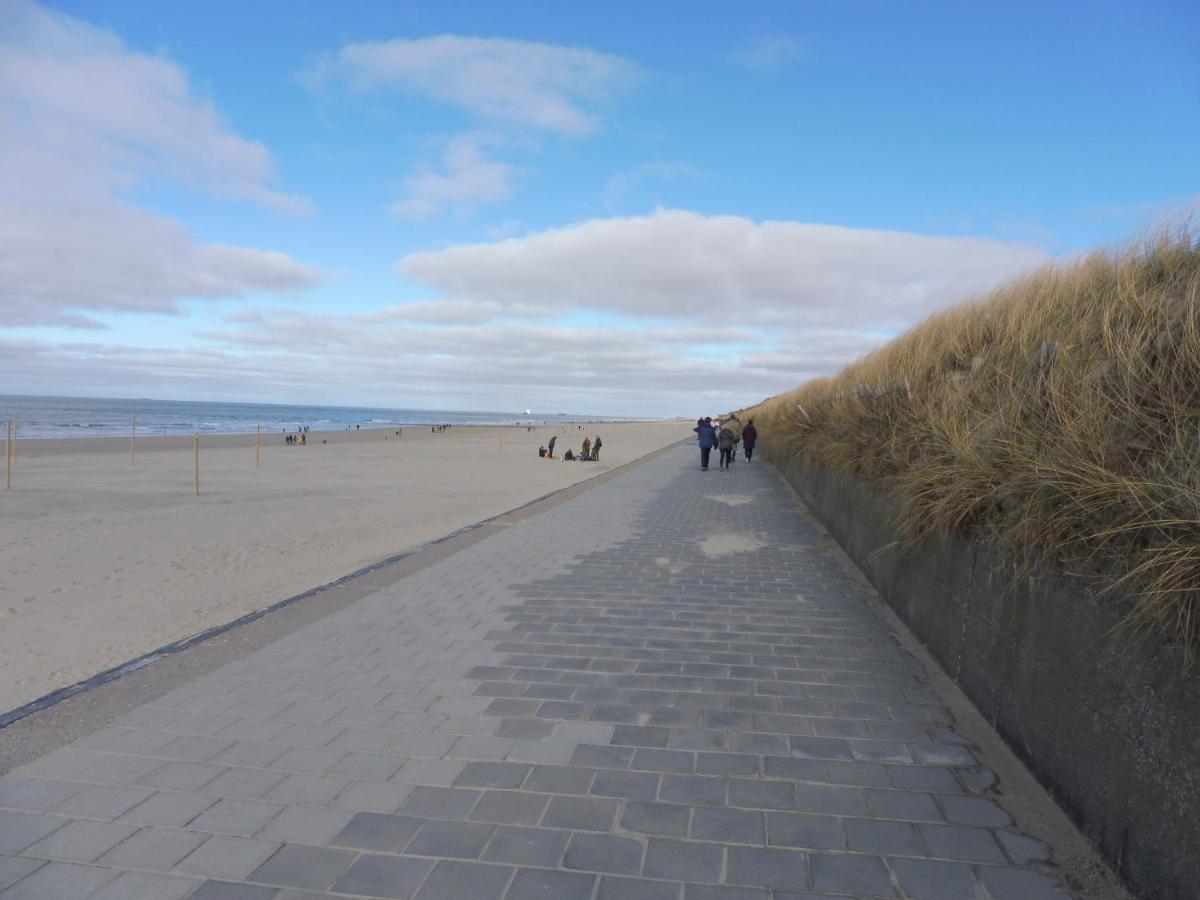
<point x="1060" y="416"/>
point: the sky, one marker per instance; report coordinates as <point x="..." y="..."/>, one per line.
<point x="617" y="208"/>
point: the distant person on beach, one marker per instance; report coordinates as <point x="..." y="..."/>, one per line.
<point x="725" y="444"/>
<point x="587" y="449"/>
<point x="706" y="437"/>
<point x="550" y="446"/>
<point x="596" y="449"/>
<point x="749" y="439"/>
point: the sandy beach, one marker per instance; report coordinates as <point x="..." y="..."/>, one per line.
<point x="102" y="559"/>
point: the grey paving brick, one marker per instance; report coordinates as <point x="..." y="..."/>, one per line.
<point x="888" y="838"/>
<point x="765" y="867"/>
<point x="603" y="853"/>
<point x="526" y="846"/>
<point x="384" y="876"/>
<point x="683" y="860"/>
<point x="493" y="775"/>
<point x="375" y="766"/>
<point x="373" y="796"/>
<point x="80" y="841"/>
<point x="974" y="811"/>
<point x="731" y="826"/>
<point x="19" y="830"/>
<point x="961" y="842"/>
<point x="431" y="772"/>
<point x="851" y="873"/>
<point x="223" y="857"/>
<point x="440" y="803"/>
<point x="228" y="890"/>
<point x="510" y="808"/>
<point x="1018" y="884"/>
<point x="762" y="794"/>
<point x="723" y="764"/>
<point x="722" y="892"/>
<point x="38" y="795"/>
<point x="655" y="818"/>
<point x="808" y="831"/>
<point x="169" y="808"/>
<point x="462" y="879"/>
<point x="833" y="799"/>
<point x="560" y="779"/>
<point x="310" y="790"/>
<point x="13" y="869"/>
<point x="540" y="884"/>
<point x="147" y="886"/>
<point x="615" y="888"/>
<point x="155" y="849"/>
<point x="629" y="785"/>
<point x="459" y="840"/>
<point x="934" y="879"/>
<point x="1022" y="849"/>
<point x="59" y="881"/>
<point x="693" y="789"/>
<point x="102" y="801"/>
<point x="298" y="866"/>
<point x="243" y="817"/>
<point x="306" y="825"/>
<point x="582" y="813"/>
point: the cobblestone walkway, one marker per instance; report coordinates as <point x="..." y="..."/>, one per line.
<point x="666" y="687"/>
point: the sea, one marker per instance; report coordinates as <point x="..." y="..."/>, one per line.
<point x="78" y="417"/>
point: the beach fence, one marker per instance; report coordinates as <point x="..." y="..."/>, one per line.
<point x="10" y="453"/>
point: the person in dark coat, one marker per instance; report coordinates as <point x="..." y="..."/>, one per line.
<point x="749" y="439"/>
<point x="550" y="447"/>
<point x="706" y="437"/>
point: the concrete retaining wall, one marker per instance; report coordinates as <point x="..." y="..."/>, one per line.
<point x="1113" y="732"/>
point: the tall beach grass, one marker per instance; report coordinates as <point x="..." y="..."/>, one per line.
<point x="1058" y="416"/>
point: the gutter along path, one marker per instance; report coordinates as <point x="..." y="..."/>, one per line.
<point x="667" y="686"/>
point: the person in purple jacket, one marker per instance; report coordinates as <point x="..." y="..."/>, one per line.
<point x="749" y="439"/>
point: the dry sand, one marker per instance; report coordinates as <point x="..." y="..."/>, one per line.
<point x="102" y="560"/>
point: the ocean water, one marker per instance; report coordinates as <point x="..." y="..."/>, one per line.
<point x="69" y="417"/>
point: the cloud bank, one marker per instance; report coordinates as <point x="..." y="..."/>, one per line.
<point x="83" y="120"/>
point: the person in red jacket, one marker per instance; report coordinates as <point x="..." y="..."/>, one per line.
<point x="749" y="439"/>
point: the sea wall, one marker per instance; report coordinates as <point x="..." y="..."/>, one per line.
<point x="1110" y="727"/>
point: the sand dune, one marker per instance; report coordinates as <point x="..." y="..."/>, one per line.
<point x="102" y="560"/>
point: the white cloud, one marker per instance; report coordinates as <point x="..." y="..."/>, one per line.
<point x="524" y="83"/>
<point x="83" y="119"/>
<point x="764" y="52"/>
<point x="726" y="268"/>
<point x="468" y="179"/>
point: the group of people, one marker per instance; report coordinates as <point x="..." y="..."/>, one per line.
<point x="299" y="439"/>
<point x="589" y="453"/>
<point x="725" y="437"/>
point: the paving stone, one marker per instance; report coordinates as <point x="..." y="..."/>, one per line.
<point x="808" y="831"/>
<point x="168" y="808"/>
<point x="560" y="779"/>
<point x="851" y="873"/>
<point x="693" y="789"/>
<point x="655" y="818"/>
<point x="384" y="876"/>
<point x="102" y="802"/>
<point x="510" y="808"/>
<point x="961" y="842"/>
<point x="226" y="858"/>
<point x="35" y="794"/>
<point x="460" y="879"/>
<point x="615" y="888"/>
<point x="13" y="869"/>
<point x="722" y="892"/>
<point x="583" y="813"/>
<point x="19" y="830"/>
<point x="723" y="764"/>
<point x="526" y="846"/>
<point x="373" y="796"/>
<point x="228" y="890"/>
<point x="683" y="860"/>
<point x="493" y="775"/>
<point x="80" y="841"/>
<point x="147" y="886"/>
<point x="460" y="840"/>
<point x="932" y="879"/>
<point x="629" y="785"/>
<point x="59" y="880"/>
<point x="539" y="884"/>
<point x="298" y="866"/>
<point x="731" y="826"/>
<point x="306" y="825"/>
<point x="1018" y="884"/>
<point x="974" y="811"/>
<point x="155" y="849"/>
<point x="761" y="794"/>
<point x="603" y="853"/>
<point x="440" y="803"/>
<point x="766" y="867"/>
<point x="244" y="817"/>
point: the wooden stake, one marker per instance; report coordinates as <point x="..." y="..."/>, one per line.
<point x="196" y="457"/>
<point x="133" y="441"/>
<point x="8" y="456"/>
<point x="257" y="444"/>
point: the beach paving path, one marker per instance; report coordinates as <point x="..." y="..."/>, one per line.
<point x="668" y="686"/>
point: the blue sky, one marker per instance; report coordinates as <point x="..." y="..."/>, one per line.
<point x="620" y="208"/>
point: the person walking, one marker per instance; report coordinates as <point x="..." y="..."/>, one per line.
<point x="749" y="439"/>
<point x="550" y="446"/>
<point x="706" y="437"/>
<point x="725" y="445"/>
<point x="596" y="449"/>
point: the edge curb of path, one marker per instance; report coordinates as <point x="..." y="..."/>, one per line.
<point x="42" y="739"/>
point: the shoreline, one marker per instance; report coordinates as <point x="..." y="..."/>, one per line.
<point x="111" y="560"/>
